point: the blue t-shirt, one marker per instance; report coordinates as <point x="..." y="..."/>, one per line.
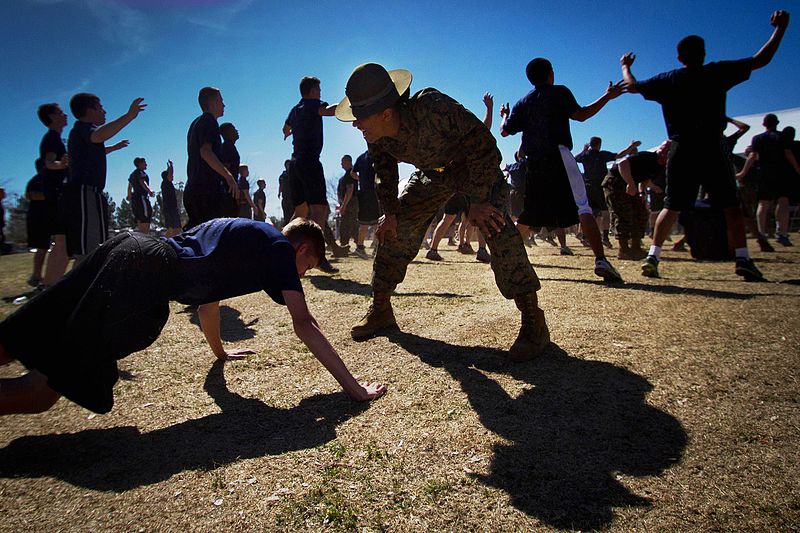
<point x="169" y="198"/>
<point x="229" y="156"/>
<point x="135" y="180"/>
<point x="87" y="160"/>
<point x="306" y="124"/>
<point x="366" y="172"/>
<point x="202" y="179"/>
<point x="594" y="164"/>
<point x="228" y="257"/>
<point x="693" y="99"/>
<point x="517" y="171"/>
<point x="543" y="117"/>
<point x="53" y="180"/>
<point x="771" y="149"/>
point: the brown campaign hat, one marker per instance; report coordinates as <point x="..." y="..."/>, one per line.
<point x="371" y="89"/>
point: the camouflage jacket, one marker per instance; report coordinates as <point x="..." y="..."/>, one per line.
<point x="443" y="139"/>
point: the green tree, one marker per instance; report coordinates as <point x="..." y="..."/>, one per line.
<point x="16" y="229"/>
<point x="124" y="215"/>
<point x="158" y="218"/>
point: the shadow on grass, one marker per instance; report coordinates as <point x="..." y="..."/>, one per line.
<point x="347" y="286"/>
<point x="577" y="429"/>
<point x="232" y="327"/>
<point x="123" y="458"/>
<point x="666" y="289"/>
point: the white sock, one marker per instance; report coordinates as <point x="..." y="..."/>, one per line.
<point x="655" y="251"/>
<point x="742" y="253"/>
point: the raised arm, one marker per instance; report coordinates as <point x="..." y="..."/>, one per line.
<point x="780" y="20"/>
<point x="108" y="130"/>
<point x="628" y="79"/>
<point x="612" y="91"/>
<point x="310" y="333"/>
<point x="488" y="101"/>
<point x="505" y="110"/>
<point x="631" y="149"/>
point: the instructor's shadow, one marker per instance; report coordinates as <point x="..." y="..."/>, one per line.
<point x="122" y="458"/>
<point x="576" y="431"/>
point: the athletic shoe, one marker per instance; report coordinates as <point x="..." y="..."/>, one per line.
<point x="361" y="252"/>
<point x="451" y="242"/>
<point x="679" y="246"/>
<point x="650" y="267"/>
<point x="747" y="269"/>
<point x="339" y="251"/>
<point x="764" y="245"/>
<point x="581" y="237"/>
<point x="327" y="267"/>
<point x="433" y="255"/>
<point x="565" y="250"/>
<point x="604" y="269"/>
<point x="784" y="240"/>
<point x="34" y="282"/>
<point x="551" y="240"/>
<point x="465" y="248"/>
<point x="607" y="242"/>
<point x="425" y="244"/>
<point x="483" y="256"/>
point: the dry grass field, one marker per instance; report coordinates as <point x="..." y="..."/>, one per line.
<point x="661" y="405"/>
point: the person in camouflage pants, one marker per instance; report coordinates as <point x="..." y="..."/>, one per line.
<point x="454" y="153"/>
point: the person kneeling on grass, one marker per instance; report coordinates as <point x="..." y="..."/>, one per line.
<point x="117" y="301"/>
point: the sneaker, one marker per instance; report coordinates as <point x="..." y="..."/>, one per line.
<point x="374" y="321"/>
<point x="650" y="267"/>
<point x="764" y="245"/>
<point x="607" y="242"/>
<point x="483" y="256"/>
<point x="551" y="240"/>
<point x="781" y="238"/>
<point x="339" y="251"/>
<point x="451" y="242"/>
<point x="605" y="270"/>
<point x="361" y="252"/>
<point x="582" y="238"/>
<point x="747" y="269"/>
<point x="531" y="241"/>
<point x="679" y="246"/>
<point x="34" y="282"/>
<point x="425" y="244"/>
<point x="565" y="250"/>
<point x="433" y="255"/>
<point x="465" y="248"/>
<point x="327" y="267"/>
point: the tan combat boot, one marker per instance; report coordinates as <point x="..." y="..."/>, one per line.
<point x="379" y="316"/>
<point x="533" y="335"/>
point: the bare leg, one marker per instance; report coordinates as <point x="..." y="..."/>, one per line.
<point x="782" y="215"/>
<point x="26" y="394"/>
<point x="666" y="219"/>
<point x="143" y="227"/>
<point x="57" y="261"/>
<point x="592" y="234"/>
<point x="561" y="233"/>
<point x="301" y="210"/>
<point x="441" y="229"/>
<point x="761" y="215"/>
<point x="735" y="221"/>
<point x="38" y="263"/>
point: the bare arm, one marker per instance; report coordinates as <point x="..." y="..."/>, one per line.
<point x="108" y="130"/>
<point x="624" y="168"/>
<point x="310" y="333"/>
<point x="748" y="165"/>
<point x="348" y="195"/>
<point x="117" y="146"/>
<point x="327" y="110"/>
<point x="585" y="113"/>
<point x="209" y="323"/>
<point x="51" y="163"/>
<point x="627" y="76"/>
<point x="146" y="187"/>
<point x="780" y="20"/>
<point x="287" y="130"/>
<point x="631" y="149"/>
<point x="488" y="101"/>
<point x="211" y="159"/>
<point x="504" y="112"/>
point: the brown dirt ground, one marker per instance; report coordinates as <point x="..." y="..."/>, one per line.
<point x="666" y="404"/>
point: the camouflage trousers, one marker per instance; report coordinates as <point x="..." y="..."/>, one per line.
<point x="348" y="223"/>
<point x="420" y="200"/>
<point x="629" y="214"/>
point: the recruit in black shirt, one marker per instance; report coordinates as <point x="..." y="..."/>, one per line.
<point x="52" y="180"/>
<point x="87" y="160"/>
<point x="202" y="179"/>
<point x="543" y="117"/>
<point x="306" y="124"/>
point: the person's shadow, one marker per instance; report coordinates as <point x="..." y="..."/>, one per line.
<point x="576" y="431"/>
<point x="231" y="326"/>
<point x="121" y="458"/>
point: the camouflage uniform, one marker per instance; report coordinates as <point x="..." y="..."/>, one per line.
<point x="629" y="214"/>
<point x="455" y="153"/>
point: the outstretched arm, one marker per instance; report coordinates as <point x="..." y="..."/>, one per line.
<point x="327" y="110"/>
<point x="488" y="101"/>
<point x="626" y="62"/>
<point x="106" y="131"/>
<point x="612" y="91"/>
<point x="309" y="332"/>
<point x="780" y="20"/>
<point x="209" y="323"/>
<point x="631" y="149"/>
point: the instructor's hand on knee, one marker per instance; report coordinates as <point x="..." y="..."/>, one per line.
<point x="489" y="219"/>
<point x="387" y="227"/>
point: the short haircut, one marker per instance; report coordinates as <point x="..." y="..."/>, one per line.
<point x="538" y="70"/>
<point x="137" y="160"/>
<point x="225" y="127"/>
<point x="771" y="120"/>
<point x="44" y="112"/>
<point x="348" y="157"/>
<point x="245" y="167"/>
<point x="788" y="133"/>
<point x="595" y="142"/>
<point x="692" y="50"/>
<point x="205" y="96"/>
<point x="303" y="230"/>
<point x="164" y="174"/>
<point x="261" y="182"/>
<point x="287" y="163"/>
<point x="81" y="103"/>
<point x="307" y="84"/>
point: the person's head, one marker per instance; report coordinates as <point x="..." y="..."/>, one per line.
<point x="166" y="176"/>
<point x="39" y="164"/>
<point x="244" y="171"/>
<point x="52" y="116"/>
<point x="663" y="151"/>
<point x="372" y="95"/>
<point x="2" y="193"/>
<point x="770" y="121"/>
<point x="229" y="132"/>
<point x="210" y="100"/>
<point x="692" y="51"/>
<point x="347" y="162"/>
<point x="261" y="184"/>
<point x="308" y="241"/>
<point x="788" y="133"/>
<point x="595" y="143"/>
<point x="309" y="87"/>
<point x="86" y="107"/>
<point x="140" y="163"/>
<point x="539" y="72"/>
<point x="287" y="163"/>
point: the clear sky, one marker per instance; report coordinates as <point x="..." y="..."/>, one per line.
<point x="257" y="51"/>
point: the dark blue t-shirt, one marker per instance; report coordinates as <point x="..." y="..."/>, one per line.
<point x="366" y="172"/>
<point x="202" y="179"/>
<point x="644" y="166"/>
<point x="594" y="164"/>
<point x="306" y="124"/>
<point x="693" y="99"/>
<point x="229" y="156"/>
<point x="771" y="150"/>
<point x="53" y="180"/>
<point x="87" y="160"/>
<point x="517" y="171"/>
<point x="228" y="257"/>
<point x="543" y="117"/>
<point x="169" y="198"/>
<point x="135" y="180"/>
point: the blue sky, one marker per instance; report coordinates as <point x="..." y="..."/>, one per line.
<point x="257" y="51"/>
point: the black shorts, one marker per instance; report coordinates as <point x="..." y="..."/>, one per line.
<point x="204" y="207"/>
<point x="142" y="209"/>
<point x="36" y="224"/>
<point x="772" y="186"/>
<point x="307" y="181"/>
<point x="369" y="210"/>
<point x="656" y="201"/>
<point x="86" y="217"/>
<point x="516" y="202"/>
<point x="549" y="200"/>
<point x="692" y="164"/>
<point x="172" y="219"/>
<point x="112" y="304"/>
<point x="456" y="204"/>
<point x="54" y="216"/>
<point x="597" y="199"/>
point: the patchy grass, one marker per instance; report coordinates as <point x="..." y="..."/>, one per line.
<point x="667" y="404"/>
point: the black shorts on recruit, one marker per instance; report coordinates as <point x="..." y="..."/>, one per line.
<point x="307" y="181"/>
<point x="692" y="164"/>
<point x="369" y="210"/>
<point x="114" y="303"/>
<point x="204" y="207"/>
<point x="456" y="204"/>
<point x="142" y="209"/>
